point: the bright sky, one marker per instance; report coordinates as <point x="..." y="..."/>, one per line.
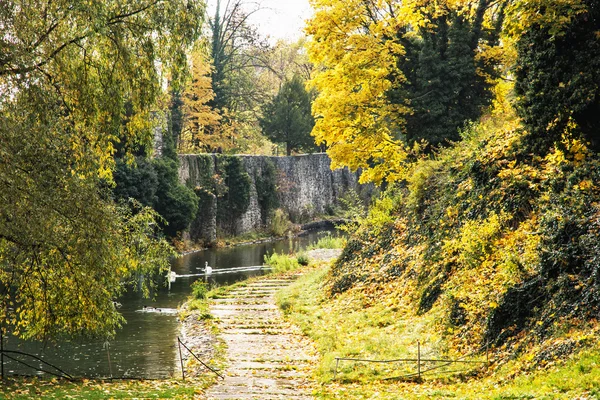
<point x="278" y="19"/>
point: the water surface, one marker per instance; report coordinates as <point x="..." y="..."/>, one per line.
<point x="146" y="345"/>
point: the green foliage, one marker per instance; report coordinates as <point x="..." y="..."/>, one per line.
<point x="558" y="82"/>
<point x="200" y="308"/>
<point x="176" y="203"/>
<point x="351" y="208"/>
<point x="236" y="199"/>
<point x="288" y="119"/>
<point x="137" y="181"/>
<point x="156" y="184"/>
<point x="279" y="223"/>
<point x="302" y="259"/>
<point x="445" y="88"/>
<point x="329" y="242"/>
<point x="199" y="290"/>
<point x="77" y="78"/>
<point x="281" y="262"/>
<point x="500" y="243"/>
<point x="266" y="189"/>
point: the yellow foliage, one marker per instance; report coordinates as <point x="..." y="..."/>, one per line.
<point x="356" y="56"/>
<point x="200" y="129"/>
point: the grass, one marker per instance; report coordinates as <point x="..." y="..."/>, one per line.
<point x="282" y="262"/>
<point x="34" y="388"/>
<point x="221" y="291"/>
<point x="329" y="242"/>
<point x="351" y="325"/>
<point x="199" y="307"/>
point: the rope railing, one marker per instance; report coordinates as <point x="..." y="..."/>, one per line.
<point x="419" y="361"/>
<point x="61" y="373"/>
<point x="197" y="358"/>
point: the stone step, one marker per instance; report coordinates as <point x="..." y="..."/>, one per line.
<point x="253" y="331"/>
<point x="266" y="356"/>
<point x="242" y="307"/>
<point x="270" y="365"/>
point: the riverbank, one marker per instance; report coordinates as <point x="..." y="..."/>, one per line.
<point x="197" y="330"/>
<point x="263" y="355"/>
<point x="381" y="326"/>
<point x="259" y="237"/>
<point x="91" y="389"/>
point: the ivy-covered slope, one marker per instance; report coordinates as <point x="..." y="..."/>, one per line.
<point x="502" y="243"/>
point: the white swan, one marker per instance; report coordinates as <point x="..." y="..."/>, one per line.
<point x="207" y="268"/>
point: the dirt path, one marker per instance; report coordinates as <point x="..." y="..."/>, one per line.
<point x="267" y="357"/>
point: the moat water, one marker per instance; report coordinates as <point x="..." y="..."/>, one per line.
<point x="146" y="345"/>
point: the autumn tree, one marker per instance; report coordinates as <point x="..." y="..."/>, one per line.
<point x="354" y="47"/>
<point x="200" y="120"/>
<point x="77" y="79"/>
<point x="238" y="53"/>
<point x="281" y="62"/>
<point x="287" y="117"/>
<point x="391" y="74"/>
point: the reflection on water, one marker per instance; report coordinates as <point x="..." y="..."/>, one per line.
<point x="146" y="345"/>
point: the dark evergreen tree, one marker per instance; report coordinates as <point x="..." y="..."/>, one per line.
<point x="287" y="117"/>
<point x="444" y="88"/>
<point x="136" y="181"/>
<point x="156" y="183"/>
<point x="236" y="199"/>
<point x="558" y="81"/>
<point x="176" y="112"/>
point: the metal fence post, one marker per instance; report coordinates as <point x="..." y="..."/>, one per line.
<point x="107" y="346"/>
<point x="419" y="359"/>
<point x="181" y="359"/>
<point x="337" y="362"/>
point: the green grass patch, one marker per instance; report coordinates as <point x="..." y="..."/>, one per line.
<point x="329" y="242"/>
<point x="281" y="262"/>
<point x="200" y="307"/>
<point x="353" y="325"/>
<point x="248" y="237"/>
<point x="34" y="388"/>
<point x="222" y="291"/>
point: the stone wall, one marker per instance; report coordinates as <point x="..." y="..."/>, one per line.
<point x="306" y="187"/>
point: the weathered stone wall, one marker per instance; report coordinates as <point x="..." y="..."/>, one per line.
<point x="306" y="187"/>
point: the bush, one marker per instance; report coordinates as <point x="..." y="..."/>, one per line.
<point x="281" y="262"/>
<point x="329" y="242"/>
<point x="176" y="203"/>
<point x="280" y="223"/>
<point x="199" y="290"/>
<point x="136" y="181"/>
<point x="303" y="259"/>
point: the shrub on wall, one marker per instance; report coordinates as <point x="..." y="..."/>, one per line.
<point x="280" y="223"/>
<point x="176" y="203"/>
<point x="236" y="197"/>
<point x="266" y="190"/>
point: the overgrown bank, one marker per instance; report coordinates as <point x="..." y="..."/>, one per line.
<point x="487" y="243"/>
<point x="351" y="325"/>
